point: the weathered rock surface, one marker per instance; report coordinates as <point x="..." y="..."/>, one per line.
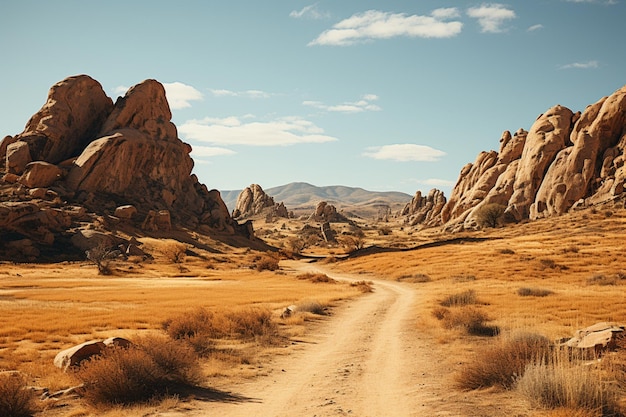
<point x="325" y="212"/>
<point x="254" y="200"/>
<point x="425" y="210"/>
<point x="565" y="159"/>
<point x="81" y="149"/>
<point x="599" y="336"/>
<point x="76" y="354"/>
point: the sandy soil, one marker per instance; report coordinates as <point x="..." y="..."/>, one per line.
<point x="367" y="360"/>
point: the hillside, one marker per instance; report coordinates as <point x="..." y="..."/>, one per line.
<point x="301" y="196"/>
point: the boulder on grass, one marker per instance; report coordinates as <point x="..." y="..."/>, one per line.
<point x="600" y="336"/>
<point x="73" y="356"/>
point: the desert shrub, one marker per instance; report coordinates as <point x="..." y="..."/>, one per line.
<point x="175" y="252"/>
<point x="199" y="326"/>
<point x="102" y="256"/>
<point x="564" y="382"/>
<point x="533" y="292"/>
<point x="440" y="312"/>
<point x="601" y="279"/>
<point x="385" y="231"/>
<point x="460" y="299"/>
<point x="501" y="364"/>
<point x="269" y="261"/>
<point x="313" y="307"/>
<point x="16" y="399"/>
<point x="138" y="373"/>
<point x="363" y="286"/>
<point x="316" y="278"/>
<point x="469" y="319"/>
<point x="415" y="278"/>
<point x="295" y="245"/>
<point x="351" y="243"/>
<point x="507" y="251"/>
<point x="490" y="215"/>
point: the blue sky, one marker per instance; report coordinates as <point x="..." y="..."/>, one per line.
<point x="383" y="95"/>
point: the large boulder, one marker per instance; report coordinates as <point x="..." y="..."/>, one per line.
<point x="73" y="356"/>
<point x="425" y="210"/>
<point x="600" y="336"/>
<point x="254" y="200"/>
<point x="73" y="114"/>
<point x="17" y="157"/>
<point x="40" y="174"/>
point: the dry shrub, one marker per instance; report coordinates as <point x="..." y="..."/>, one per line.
<point x="363" y="286"/>
<point x="316" y="278"/>
<point x="469" y="319"/>
<point x="464" y="278"/>
<point x="533" y="292"/>
<point x="601" y="279"/>
<point x="507" y="251"/>
<point x="151" y="369"/>
<point x="269" y="261"/>
<point x="16" y="399"/>
<point x="500" y="365"/>
<point x="313" y="307"/>
<point x="415" y="278"/>
<point x="199" y="326"/>
<point x="460" y="299"/>
<point x="566" y="382"/>
<point x="440" y="312"/>
<point x="175" y="252"/>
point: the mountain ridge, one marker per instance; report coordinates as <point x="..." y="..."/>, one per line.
<point x="303" y="195"/>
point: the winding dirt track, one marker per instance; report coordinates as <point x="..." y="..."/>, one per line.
<point x="366" y="361"/>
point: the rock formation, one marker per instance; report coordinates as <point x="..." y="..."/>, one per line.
<point x="325" y="212"/>
<point x="425" y="210"/>
<point x="565" y="159"/>
<point x="81" y="150"/>
<point x="253" y="200"/>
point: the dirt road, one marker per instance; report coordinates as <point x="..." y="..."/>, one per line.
<point x="366" y="361"/>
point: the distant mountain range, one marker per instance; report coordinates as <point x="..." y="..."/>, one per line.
<point x="302" y="196"/>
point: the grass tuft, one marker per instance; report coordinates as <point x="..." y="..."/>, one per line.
<point x="316" y="278"/>
<point x="460" y="299"/>
<point x="533" y="292"/>
<point x="501" y="364"/>
<point x="363" y="286"/>
<point x="16" y="399"/>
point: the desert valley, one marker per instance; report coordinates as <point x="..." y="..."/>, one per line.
<point x="130" y="288"/>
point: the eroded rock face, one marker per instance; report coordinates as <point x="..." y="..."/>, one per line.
<point x="425" y="210"/>
<point x="566" y="158"/>
<point x="325" y="212"/>
<point x="98" y="155"/>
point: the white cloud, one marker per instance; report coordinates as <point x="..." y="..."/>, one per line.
<point x="374" y="24"/>
<point x="209" y="151"/>
<point x="364" y="104"/>
<point x="535" y="27"/>
<point x="405" y="152"/>
<point x="233" y="131"/>
<point x="179" y="95"/>
<point x="581" y="65"/>
<point x="120" y="90"/>
<point x="246" y="93"/>
<point x="310" y="12"/>
<point x="491" y="17"/>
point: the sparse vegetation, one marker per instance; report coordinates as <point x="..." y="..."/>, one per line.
<point x="16" y="399"/>
<point x="139" y="373"/>
<point x="313" y="307"/>
<point x="316" y="278"/>
<point x="175" y="252"/>
<point x="363" y="286"/>
<point x="460" y="299"/>
<point x="490" y="215"/>
<point x="502" y="363"/>
<point x="566" y="382"/>
<point x="602" y="279"/>
<point x="469" y="319"/>
<point x="102" y="256"/>
<point x="268" y="262"/>
<point x="533" y="292"/>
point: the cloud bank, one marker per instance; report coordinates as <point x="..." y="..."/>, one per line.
<point x="375" y="24"/>
<point x="405" y="152"/>
<point x="180" y="95"/>
<point x="232" y="130"/>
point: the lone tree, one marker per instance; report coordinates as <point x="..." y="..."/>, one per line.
<point x="490" y="215"/>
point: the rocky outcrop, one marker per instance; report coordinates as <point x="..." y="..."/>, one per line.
<point x="424" y="210"/>
<point x="83" y="150"/>
<point x="254" y="200"/>
<point x="565" y="159"/>
<point x="325" y="212"/>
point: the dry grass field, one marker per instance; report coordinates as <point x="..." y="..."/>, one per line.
<point x="549" y="277"/>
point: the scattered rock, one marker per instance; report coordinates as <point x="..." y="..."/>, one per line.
<point x="126" y="212"/>
<point x="40" y="174"/>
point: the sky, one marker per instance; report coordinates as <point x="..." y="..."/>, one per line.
<point x="384" y="95"/>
